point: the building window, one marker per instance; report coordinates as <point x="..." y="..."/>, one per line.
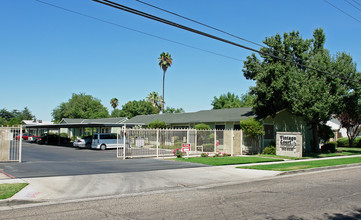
<point x="269" y="132"/>
<point x="236" y="127"/>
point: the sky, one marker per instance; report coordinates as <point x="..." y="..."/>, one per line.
<point x="48" y="52"/>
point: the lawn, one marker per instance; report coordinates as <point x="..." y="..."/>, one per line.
<point x="218" y="161"/>
<point x="7" y="190"/>
<point x="305" y="164"/>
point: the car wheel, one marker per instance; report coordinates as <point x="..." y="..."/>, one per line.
<point x="103" y="147"/>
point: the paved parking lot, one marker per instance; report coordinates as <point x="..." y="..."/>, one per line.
<point x="49" y="160"/>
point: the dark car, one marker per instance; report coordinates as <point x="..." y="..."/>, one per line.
<point x="53" y="139"/>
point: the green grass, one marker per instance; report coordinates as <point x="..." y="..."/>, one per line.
<point x="305" y="164"/>
<point x="218" y="161"/>
<point x="7" y="190"/>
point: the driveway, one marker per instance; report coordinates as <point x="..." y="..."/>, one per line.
<point x="50" y="161"/>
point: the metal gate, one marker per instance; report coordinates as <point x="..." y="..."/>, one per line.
<point x="165" y="142"/>
<point x="10" y="143"/>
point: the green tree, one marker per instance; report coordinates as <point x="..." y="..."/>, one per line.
<point x="134" y="108"/>
<point x="247" y="100"/>
<point x="80" y="106"/>
<point x="350" y="117"/>
<point x="173" y="110"/>
<point x="165" y="61"/>
<point x="157" y="124"/>
<point x="155" y="99"/>
<point x="3" y="122"/>
<point x="254" y="130"/>
<point x="26" y="114"/>
<point x="229" y="100"/>
<point x="114" y="102"/>
<point x="5" y="114"/>
<point x="202" y="127"/>
<point x="289" y="85"/>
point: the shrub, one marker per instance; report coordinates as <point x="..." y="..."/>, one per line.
<point x="208" y="147"/>
<point x="343" y="142"/>
<point x="178" y="144"/>
<point x="202" y="127"/>
<point x="330" y="147"/>
<point x="204" y="154"/>
<point x="218" y="154"/>
<point x="269" y="150"/>
<point x="157" y="124"/>
<point x="226" y="155"/>
<point x="65" y="135"/>
<point x="177" y="152"/>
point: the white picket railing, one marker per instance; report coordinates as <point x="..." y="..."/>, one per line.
<point x="164" y="142"/>
<point x="10" y="143"/>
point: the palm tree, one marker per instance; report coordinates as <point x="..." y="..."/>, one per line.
<point x="165" y="61"/>
<point x="155" y="99"/>
<point x="114" y="102"/>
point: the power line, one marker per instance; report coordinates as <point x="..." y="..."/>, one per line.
<point x="356" y="2"/>
<point x="353" y="5"/>
<point x="342" y="11"/>
<point x="138" y="31"/>
<point x="152" y="17"/>
<point x="197" y="22"/>
<point x="292" y="57"/>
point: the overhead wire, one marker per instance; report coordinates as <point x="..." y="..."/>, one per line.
<point x="353" y="5"/>
<point x="356" y="2"/>
<point x="152" y="17"/>
<point x="297" y="59"/>
<point x="342" y="11"/>
<point x="141" y="32"/>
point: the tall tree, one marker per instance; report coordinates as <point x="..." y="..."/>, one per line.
<point x="229" y="100"/>
<point x="134" y="108"/>
<point x="114" y="102"/>
<point x="173" y="110"/>
<point x="80" y="106"/>
<point x="155" y="99"/>
<point x="165" y="61"/>
<point x="305" y="92"/>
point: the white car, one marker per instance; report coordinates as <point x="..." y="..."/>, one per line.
<point x="104" y="141"/>
<point x="83" y="142"/>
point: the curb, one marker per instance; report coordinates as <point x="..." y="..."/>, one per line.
<point x="8" y="175"/>
<point x="318" y="169"/>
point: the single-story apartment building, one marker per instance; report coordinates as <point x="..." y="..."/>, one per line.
<point x="219" y="119"/>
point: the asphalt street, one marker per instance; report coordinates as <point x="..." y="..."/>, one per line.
<point x="50" y="161"/>
<point x="328" y="194"/>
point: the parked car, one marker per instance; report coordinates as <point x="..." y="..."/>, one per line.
<point x="108" y="140"/>
<point x="33" y="138"/>
<point x="84" y="142"/>
<point x="53" y="139"/>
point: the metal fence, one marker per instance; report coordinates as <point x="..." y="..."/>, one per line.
<point x="10" y="143"/>
<point x="165" y="142"/>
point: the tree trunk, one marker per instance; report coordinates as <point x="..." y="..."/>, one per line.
<point x="163" y="92"/>
<point x="315" y="140"/>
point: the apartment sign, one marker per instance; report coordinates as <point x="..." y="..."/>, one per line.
<point x="289" y="144"/>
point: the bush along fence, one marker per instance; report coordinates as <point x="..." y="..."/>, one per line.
<point x="166" y="142"/>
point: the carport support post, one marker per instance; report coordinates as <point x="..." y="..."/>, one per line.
<point x="157" y="143"/>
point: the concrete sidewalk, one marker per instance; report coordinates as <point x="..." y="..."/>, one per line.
<point x="64" y="188"/>
<point x="87" y="186"/>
